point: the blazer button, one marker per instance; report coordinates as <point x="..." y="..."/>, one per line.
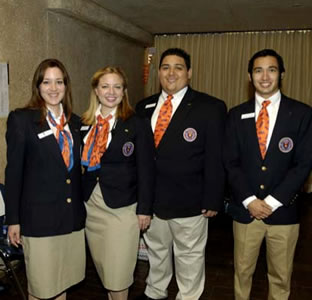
<point x="262" y="187"/>
<point x="68" y="181"/>
<point x="263" y="168"/>
<point x="68" y="200"/>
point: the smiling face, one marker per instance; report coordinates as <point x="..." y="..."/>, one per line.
<point x="265" y="76"/>
<point x="52" y="89"/>
<point x="110" y="92"/>
<point x="173" y="74"/>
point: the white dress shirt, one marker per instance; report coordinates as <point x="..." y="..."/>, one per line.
<point x="272" y="109"/>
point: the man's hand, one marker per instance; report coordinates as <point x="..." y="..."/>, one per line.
<point x="209" y="213"/>
<point x="259" y="209"/>
<point x="14" y="235"/>
<point x="144" y="221"/>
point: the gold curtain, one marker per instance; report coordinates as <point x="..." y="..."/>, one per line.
<point x="219" y="62"/>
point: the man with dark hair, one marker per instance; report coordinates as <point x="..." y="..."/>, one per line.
<point x="268" y="155"/>
<point x="188" y="129"/>
<point x="264" y="53"/>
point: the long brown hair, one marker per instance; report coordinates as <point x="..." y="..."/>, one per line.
<point x="37" y="102"/>
<point x="124" y="109"/>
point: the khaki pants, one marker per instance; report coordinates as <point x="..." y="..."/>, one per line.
<point x="185" y="238"/>
<point x="281" y="242"/>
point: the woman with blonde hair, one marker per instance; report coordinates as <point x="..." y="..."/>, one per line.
<point x="118" y="160"/>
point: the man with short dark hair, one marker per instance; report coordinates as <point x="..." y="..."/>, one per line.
<point x="268" y="155"/>
<point x="188" y="129"/>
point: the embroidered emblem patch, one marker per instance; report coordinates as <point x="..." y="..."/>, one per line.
<point x="286" y="144"/>
<point x="190" y="134"/>
<point x="127" y="149"/>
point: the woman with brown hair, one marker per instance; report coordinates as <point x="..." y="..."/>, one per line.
<point x="117" y="181"/>
<point x="44" y="208"/>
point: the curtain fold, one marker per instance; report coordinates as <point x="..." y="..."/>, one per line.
<point x="219" y="62"/>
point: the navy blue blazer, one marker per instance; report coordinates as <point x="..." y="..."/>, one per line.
<point x="41" y="195"/>
<point x="127" y="172"/>
<point x="285" y="167"/>
<point x="189" y="171"/>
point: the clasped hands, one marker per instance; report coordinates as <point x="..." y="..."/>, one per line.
<point x="259" y="209"/>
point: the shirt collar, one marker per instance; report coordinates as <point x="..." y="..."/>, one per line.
<point x="179" y="95"/>
<point x="276" y="98"/>
<point x="98" y="112"/>
<point x="57" y="119"/>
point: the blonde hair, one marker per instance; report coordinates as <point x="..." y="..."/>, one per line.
<point x="124" y="109"/>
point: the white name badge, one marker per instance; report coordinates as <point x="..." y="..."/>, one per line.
<point x="248" y="116"/>
<point x="45" y="134"/>
<point x="150" y="105"/>
<point x="84" y="128"/>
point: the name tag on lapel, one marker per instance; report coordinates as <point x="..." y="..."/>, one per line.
<point x="84" y="128"/>
<point x="248" y="116"/>
<point x="150" y="105"/>
<point x="44" y="134"/>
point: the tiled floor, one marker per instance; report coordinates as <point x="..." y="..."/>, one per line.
<point x="219" y="268"/>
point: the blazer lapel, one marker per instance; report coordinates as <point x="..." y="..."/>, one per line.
<point x="75" y="132"/>
<point x="48" y="141"/>
<point x="249" y="125"/>
<point x="115" y="134"/>
<point x="151" y="105"/>
<point x="283" y="115"/>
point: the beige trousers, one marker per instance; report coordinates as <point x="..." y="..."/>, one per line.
<point x="281" y="242"/>
<point x="183" y="239"/>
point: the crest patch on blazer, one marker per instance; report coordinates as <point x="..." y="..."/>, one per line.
<point x="190" y="134"/>
<point x="286" y="144"/>
<point x="127" y="149"/>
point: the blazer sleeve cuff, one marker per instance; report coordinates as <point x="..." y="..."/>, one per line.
<point x="249" y="200"/>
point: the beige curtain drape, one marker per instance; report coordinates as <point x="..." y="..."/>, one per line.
<point x="219" y="62"/>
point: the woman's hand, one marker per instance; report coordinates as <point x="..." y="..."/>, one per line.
<point x="14" y="235"/>
<point x="144" y="221"/>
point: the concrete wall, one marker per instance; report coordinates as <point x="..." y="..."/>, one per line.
<point x="83" y="35"/>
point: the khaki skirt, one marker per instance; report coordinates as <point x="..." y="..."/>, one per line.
<point x="53" y="264"/>
<point x="113" y="239"/>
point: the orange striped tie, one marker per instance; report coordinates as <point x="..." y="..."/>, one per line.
<point x="163" y="120"/>
<point x="262" y="126"/>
